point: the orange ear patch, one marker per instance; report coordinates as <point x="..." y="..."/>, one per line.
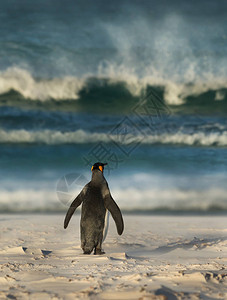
<point x="92" y="168"/>
<point x="101" y="168"/>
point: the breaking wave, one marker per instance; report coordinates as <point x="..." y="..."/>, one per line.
<point x="53" y="137"/>
<point x="137" y="200"/>
<point x="21" y="81"/>
<point x="110" y="82"/>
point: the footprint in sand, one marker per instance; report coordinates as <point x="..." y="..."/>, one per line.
<point x="36" y="252"/>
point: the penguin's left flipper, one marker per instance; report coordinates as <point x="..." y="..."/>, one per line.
<point x="73" y="207"/>
<point x="111" y="205"/>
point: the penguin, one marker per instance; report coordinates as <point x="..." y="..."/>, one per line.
<point x="96" y="202"/>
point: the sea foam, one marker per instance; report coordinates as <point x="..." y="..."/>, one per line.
<point x="69" y="87"/>
<point x="129" y="199"/>
<point x="55" y="137"/>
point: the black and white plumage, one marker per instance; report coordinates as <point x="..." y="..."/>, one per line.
<point x="96" y="202"/>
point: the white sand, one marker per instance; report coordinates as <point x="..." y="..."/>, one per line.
<point x="157" y="257"/>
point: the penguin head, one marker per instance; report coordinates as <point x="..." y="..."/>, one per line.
<point x="98" y="166"/>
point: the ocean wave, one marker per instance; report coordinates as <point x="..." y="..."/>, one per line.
<point x="28" y="200"/>
<point x="53" y="137"/>
<point x="195" y="139"/>
<point x="131" y="199"/>
<point x="50" y="137"/>
<point x="173" y="91"/>
<point x="21" y="81"/>
<point x="171" y="199"/>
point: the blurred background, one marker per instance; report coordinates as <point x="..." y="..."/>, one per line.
<point x="141" y="85"/>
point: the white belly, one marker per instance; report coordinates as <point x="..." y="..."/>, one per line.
<point x="106" y="226"/>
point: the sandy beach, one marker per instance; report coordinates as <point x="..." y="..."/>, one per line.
<point x="157" y="257"/>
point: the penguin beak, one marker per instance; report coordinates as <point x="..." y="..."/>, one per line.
<point x="101" y="168"/>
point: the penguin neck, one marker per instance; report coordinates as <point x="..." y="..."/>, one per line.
<point x="97" y="178"/>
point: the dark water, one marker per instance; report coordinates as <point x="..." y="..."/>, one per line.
<point x="139" y="84"/>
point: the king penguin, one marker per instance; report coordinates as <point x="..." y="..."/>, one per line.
<point x="96" y="202"/>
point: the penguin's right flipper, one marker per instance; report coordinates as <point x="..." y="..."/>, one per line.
<point x="111" y="205"/>
<point x="73" y="207"/>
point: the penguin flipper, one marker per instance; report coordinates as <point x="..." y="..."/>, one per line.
<point x="78" y="200"/>
<point x="113" y="208"/>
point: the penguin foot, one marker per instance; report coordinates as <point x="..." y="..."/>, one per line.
<point x="98" y="251"/>
<point x="87" y="251"/>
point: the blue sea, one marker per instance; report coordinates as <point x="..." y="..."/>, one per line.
<point x="141" y="85"/>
